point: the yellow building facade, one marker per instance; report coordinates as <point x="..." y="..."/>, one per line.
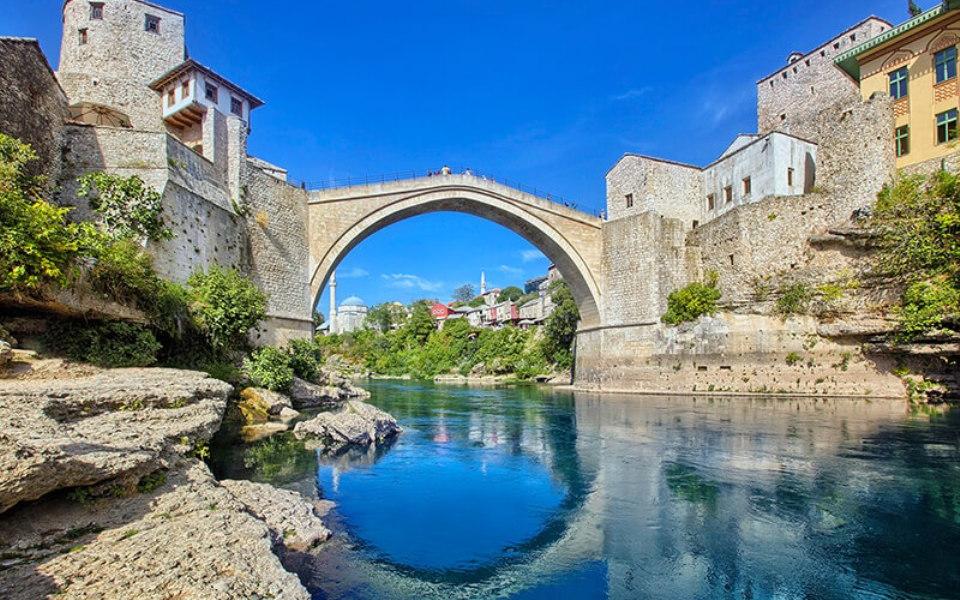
<point x="916" y="64"/>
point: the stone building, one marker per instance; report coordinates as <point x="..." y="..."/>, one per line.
<point x="351" y="315"/>
<point x="791" y="98"/>
<point x="916" y="65"/>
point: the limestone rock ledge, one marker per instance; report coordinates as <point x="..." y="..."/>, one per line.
<point x="293" y="520"/>
<point x="334" y="389"/>
<point x="113" y="427"/>
<point x="353" y="424"/>
<point x="191" y="538"/>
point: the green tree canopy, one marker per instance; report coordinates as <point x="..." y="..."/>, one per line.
<point x="420" y="324"/>
<point x="560" y="329"/>
<point x="510" y="293"/>
<point x="464" y="293"/>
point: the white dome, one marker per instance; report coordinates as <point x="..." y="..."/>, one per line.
<point x="353" y="301"/>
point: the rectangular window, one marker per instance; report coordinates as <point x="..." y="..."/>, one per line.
<point x="790" y="176"/>
<point x="236" y="106"/>
<point x="629" y="199"/>
<point x="185" y="88"/>
<point x="96" y="11"/>
<point x="947" y="126"/>
<point x="746" y="186"/>
<point x="172" y="97"/>
<point x="902" y="138"/>
<point x="711" y="201"/>
<point x="83" y="36"/>
<point x="210" y="92"/>
<point x="728" y="194"/>
<point x="151" y="24"/>
<point x="945" y="62"/>
<point x="898" y="83"/>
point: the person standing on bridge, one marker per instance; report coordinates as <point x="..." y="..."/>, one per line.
<point x="446" y="170"/>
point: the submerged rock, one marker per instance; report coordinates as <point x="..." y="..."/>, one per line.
<point x="354" y="423"/>
<point x="293" y="520"/>
<point x="110" y="428"/>
<point x="188" y="538"/>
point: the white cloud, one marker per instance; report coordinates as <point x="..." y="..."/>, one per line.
<point x="511" y="270"/>
<point x="354" y="273"/>
<point x="632" y="93"/>
<point x="409" y="282"/>
<point x="531" y="255"/>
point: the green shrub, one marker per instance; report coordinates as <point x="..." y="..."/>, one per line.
<point x="926" y="305"/>
<point x="560" y="328"/>
<point x="127" y="207"/>
<point x="794" y="299"/>
<point x="306" y="356"/>
<point x="692" y="301"/>
<point x="793" y="358"/>
<point x="225" y="305"/>
<point x="269" y="368"/>
<point x="108" y="344"/>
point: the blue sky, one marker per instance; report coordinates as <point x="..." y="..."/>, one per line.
<point x="549" y="94"/>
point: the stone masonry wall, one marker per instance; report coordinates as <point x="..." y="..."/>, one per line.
<point x="792" y="98"/>
<point x="671" y="189"/>
<point x="34" y="107"/>
<point x="276" y="221"/>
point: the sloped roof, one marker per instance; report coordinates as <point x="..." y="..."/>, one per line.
<point x="189" y="65"/>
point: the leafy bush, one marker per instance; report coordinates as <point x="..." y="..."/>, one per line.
<point x="306" y="356"/>
<point x="511" y="293"/>
<point x="793" y="358"/>
<point x="269" y="368"/>
<point x="109" y="344"/>
<point x="926" y="305"/>
<point x="127" y="207"/>
<point x="794" y="299"/>
<point x="225" y="305"/>
<point x="692" y="301"/>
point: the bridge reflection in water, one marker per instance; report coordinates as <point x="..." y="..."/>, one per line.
<point x="645" y="497"/>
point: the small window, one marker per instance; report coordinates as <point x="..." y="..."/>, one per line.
<point x="236" y="106"/>
<point x="96" y="11"/>
<point x="823" y="53"/>
<point x="210" y="92"/>
<point x="629" y="199"/>
<point x="947" y="126"/>
<point x="746" y="186"/>
<point x="172" y="97"/>
<point x="728" y="194"/>
<point x="902" y="139"/>
<point x="836" y="46"/>
<point x="696" y="224"/>
<point x="790" y="176"/>
<point x="784" y="74"/>
<point x="945" y="62"/>
<point x="853" y="37"/>
<point x="152" y="24"/>
<point x="898" y="83"/>
<point x="807" y="62"/>
<point x="83" y="36"/>
<point x="711" y="201"/>
<point x="783" y="117"/>
<point x="185" y="89"/>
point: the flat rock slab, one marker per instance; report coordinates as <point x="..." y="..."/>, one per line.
<point x="353" y="424"/>
<point x="116" y="425"/>
<point x="191" y="538"/>
<point x="294" y="520"/>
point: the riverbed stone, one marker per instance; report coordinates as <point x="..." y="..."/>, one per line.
<point x="355" y="423"/>
<point x="293" y="520"/>
<point x="110" y="428"/>
<point x="188" y="538"/>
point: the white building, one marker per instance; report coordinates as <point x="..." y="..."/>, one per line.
<point x="351" y="315"/>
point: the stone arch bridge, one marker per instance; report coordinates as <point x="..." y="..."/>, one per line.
<point x="341" y="218"/>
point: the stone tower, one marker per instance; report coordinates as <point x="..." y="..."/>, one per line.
<point x="483" y="283"/>
<point x="112" y="49"/>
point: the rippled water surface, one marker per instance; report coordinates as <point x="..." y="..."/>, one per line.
<point x="532" y="493"/>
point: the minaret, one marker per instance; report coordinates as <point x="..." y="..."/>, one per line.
<point x="483" y="283"/>
<point x="333" y="302"/>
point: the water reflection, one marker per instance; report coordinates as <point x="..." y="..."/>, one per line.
<point x="528" y="493"/>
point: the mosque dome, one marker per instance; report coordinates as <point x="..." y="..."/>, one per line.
<point x="353" y="302"/>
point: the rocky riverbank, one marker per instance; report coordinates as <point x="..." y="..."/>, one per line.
<point x="103" y="493"/>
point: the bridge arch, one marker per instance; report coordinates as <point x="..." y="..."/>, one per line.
<point x="342" y="218"/>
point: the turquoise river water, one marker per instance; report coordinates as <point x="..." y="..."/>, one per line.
<point x="530" y="493"/>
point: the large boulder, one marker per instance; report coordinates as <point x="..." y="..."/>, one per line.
<point x="331" y="391"/>
<point x="293" y="520"/>
<point x="259" y="405"/>
<point x="354" y="423"/>
<point x="113" y="427"/>
<point x="188" y="538"/>
<point x="6" y="353"/>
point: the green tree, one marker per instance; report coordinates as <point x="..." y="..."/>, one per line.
<point x="913" y="9"/>
<point x="464" y="293"/>
<point x="128" y="208"/>
<point x="386" y="316"/>
<point x="225" y="306"/>
<point x="510" y="293"/>
<point x="318" y="319"/>
<point x="420" y="324"/>
<point x="560" y="328"/>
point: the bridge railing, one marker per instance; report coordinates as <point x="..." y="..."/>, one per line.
<point x="333" y="184"/>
